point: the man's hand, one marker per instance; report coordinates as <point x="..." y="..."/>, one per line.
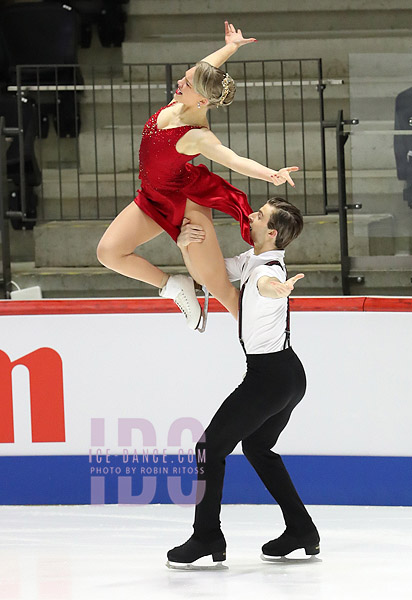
<point x="236" y="37"/>
<point x="190" y="233"/>
<point x="271" y="287"/>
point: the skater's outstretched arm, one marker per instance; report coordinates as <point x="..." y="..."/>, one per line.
<point x="271" y="287"/>
<point x="234" y="39"/>
<point x="203" y="141"/>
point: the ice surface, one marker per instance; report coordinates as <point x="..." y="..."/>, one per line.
<point x="119" y="552"/>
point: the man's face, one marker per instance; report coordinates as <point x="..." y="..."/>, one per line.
<point x="258" y="221"/>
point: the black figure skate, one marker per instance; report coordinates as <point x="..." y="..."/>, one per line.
<point x="187" y="556"/>
<point x="286" y="543"/>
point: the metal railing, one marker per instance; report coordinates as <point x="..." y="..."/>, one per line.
<point x="89" y="162"/>
<point x="342" y="206"/>
<point x="5" y="275"/>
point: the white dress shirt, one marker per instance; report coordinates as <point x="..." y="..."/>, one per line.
<point x="263" y="319"/>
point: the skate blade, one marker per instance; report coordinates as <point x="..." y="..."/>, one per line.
<point x="202" y="326"/>
<point x="273" y="559"/>
<point x="286" y="559"/>
<point x="217" y="566"/>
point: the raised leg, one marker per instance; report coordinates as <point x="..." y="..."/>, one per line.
<point x="207" y="263"/>
<point x="130" y="229"/>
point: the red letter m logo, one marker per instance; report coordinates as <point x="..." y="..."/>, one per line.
<point x="46" y="396"/>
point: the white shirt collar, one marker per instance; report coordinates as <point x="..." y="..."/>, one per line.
<point x="254" y="260"/>
<point x="267" y="256"/>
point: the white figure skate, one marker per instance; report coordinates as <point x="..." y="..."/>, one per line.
<point x="181" y="289"/>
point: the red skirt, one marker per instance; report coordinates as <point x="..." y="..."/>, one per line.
<point x="166" y="206"/>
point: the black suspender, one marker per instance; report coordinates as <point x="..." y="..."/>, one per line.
<point x="242" y="290"/>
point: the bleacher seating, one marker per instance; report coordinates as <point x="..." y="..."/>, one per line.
<point x="107" y="15"/>
<point x="3" y="66"/>
<point x="33" y="178"/>
<point x="39" y="36"/>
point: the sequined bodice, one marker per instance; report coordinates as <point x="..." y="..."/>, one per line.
<point x="160" y="165"/>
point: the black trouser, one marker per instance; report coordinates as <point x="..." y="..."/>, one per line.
<point x="255" y="413"/>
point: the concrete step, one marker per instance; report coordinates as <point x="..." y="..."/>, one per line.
<point x="68" y="194"/>
<point x="21" y="245"/>
<point x="384" y="275"/>
<point x="319" y="29"/>
<point x="319" y="280"/>
<point x="98" y="56"/>
<point x="332" y="47"/>
<point x="370" y="148"/>
<point x="88" y="186"/>
<point x="264" y="27"/>
<point x="61" y="190"/>
<point x="79" y="240"/>
<point x="171" y="16"/>
<point x="126" y="128"/>
<point x="73" y="244"/>
<point x="371" y="142"/>
<point x="224" y="7"/>
<point x="120" y="138"/>
<point x="82" y="282"/>
<point x="98" y="282"/>
<point x="53" y="151"/>
<point x="372" y="103"/>
<point x="132" y="106"/>
<point x="373" y="183"/>
<point x="129" y="113"/>
<point x="378" y="191"/>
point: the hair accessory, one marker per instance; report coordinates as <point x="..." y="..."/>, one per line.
<point x="225" y="91"/>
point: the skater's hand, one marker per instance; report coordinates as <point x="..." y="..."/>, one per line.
<point x="271" y="287"/>
<point x="236" y="37"/>
<point x="281" y="176"/>
<point x="190" y="233"/>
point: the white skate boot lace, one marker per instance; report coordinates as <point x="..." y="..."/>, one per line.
<point x="178" y="302"/>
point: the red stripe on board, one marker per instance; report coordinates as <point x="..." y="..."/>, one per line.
<point x="329" y="304"/>
<point x="96" y="306"/>
<point x="160" y="305"/>
<point x="388" y="304"/>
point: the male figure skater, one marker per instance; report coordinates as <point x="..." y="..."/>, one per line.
<point x="260" y="407"/>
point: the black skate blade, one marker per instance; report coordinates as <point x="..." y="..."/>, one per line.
<point x="196" y="566"/>
<point x="202" y="324"/>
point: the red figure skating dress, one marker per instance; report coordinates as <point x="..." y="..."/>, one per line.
<point x="168" y="180"/>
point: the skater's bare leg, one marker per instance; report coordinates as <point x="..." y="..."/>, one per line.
<point x="208" y="263"/>
<point x="207" y="212"/>
<point x="131" y="228"/>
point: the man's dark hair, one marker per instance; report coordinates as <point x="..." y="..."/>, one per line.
<point x="286" y="219"/>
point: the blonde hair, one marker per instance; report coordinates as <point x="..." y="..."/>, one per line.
<point x="214" y="84"/>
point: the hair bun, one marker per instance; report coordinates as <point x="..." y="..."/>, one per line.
<point x="226" y="88"/>
<point x="214" y="84"/>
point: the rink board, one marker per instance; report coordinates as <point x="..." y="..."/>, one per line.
<point x="101" y="401"/>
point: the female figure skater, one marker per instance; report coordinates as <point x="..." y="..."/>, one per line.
<point x="173" y="189"/>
